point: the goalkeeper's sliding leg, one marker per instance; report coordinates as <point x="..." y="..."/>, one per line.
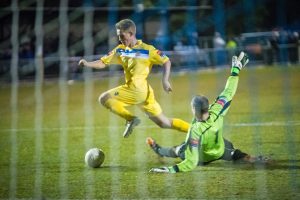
<point x="230" y="153"/>
<point x="173" y="152"/>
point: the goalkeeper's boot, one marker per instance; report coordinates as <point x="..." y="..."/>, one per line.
<point x="264" y="160"/>
<point x="130" y="125"/>
<point x="154" y="146"/>
<point x="261" y="160"/>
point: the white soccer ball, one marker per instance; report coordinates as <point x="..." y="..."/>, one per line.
<point x="94" y="157"/>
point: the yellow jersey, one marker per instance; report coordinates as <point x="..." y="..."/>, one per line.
<point x="137" y="61"/>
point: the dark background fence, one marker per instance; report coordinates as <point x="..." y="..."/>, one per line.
<point x="195" y="34"/>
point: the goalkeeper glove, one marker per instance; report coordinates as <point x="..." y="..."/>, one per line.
<point x="238" y="63"/>
<point x="163" y="170"/>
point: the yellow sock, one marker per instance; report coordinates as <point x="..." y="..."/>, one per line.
<point x="118" y="108"/>
<point x="180" y="125"/>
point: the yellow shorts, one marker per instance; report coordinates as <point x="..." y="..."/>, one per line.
<point x="144" y="98"/>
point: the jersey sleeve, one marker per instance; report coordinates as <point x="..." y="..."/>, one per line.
<point x="111" y="58"/>
<point x="223" y="101"/>
<point x="191" y="153"/>
<point x="157" y="57"/>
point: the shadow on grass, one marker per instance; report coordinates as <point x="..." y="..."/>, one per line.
<point x="220" y="165"/>
<point x="119" y="168"/>
<point x="275" y="165"/>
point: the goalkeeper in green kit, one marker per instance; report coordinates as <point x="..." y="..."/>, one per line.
<point x="204" y="142"/>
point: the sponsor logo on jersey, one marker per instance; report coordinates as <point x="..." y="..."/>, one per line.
<point x="133" y="53"/>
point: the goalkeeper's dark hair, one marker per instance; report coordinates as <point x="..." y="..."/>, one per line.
<point x="126" y="25"/>
<point x="200" y="103"/>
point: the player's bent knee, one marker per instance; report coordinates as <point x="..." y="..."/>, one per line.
<point x="160" y="124"/>
<point x="162" y="121"/>
<point x="164" y="124"/>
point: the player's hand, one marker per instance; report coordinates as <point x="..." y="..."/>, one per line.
<point x="167" y="86"/>
<point x="239" y="62"/>
<point x="160" y="170"/>
<point x="82" y="63"/>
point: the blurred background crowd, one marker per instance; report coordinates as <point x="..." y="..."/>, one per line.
<point x="194" y="34"/>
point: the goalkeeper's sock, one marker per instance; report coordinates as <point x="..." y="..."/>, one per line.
<point x="154" y="146"/>
<point x="161" y="151"/>
<point x="118" y="108"/>
<point x="180" y="125"/>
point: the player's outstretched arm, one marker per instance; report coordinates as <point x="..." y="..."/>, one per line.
<point x="166" y="74"/>
<point x="98" y="64"/>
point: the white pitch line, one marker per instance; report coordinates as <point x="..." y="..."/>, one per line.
<point x="74" y="128"/>
<point x="289" y="123"/>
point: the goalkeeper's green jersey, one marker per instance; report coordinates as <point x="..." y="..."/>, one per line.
<point x="204" y="141"/>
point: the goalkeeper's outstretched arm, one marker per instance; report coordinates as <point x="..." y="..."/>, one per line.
<point x="238" y="63"/>
<point x="223" y="101"/>
<point x="231" y="85"/>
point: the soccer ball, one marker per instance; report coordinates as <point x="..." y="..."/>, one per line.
<point x="94" y="157"/>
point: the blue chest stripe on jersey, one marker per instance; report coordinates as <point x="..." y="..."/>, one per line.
<point x="141" y="51"/>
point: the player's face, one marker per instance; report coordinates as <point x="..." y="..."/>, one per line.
<point x="125" y="37"/>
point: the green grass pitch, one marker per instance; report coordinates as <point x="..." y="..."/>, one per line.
<point x="45" y="132"/>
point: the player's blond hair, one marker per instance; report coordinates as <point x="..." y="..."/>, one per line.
<point x="126" y="25"/>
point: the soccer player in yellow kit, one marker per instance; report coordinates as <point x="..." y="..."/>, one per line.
<point x="137" y="59"/>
